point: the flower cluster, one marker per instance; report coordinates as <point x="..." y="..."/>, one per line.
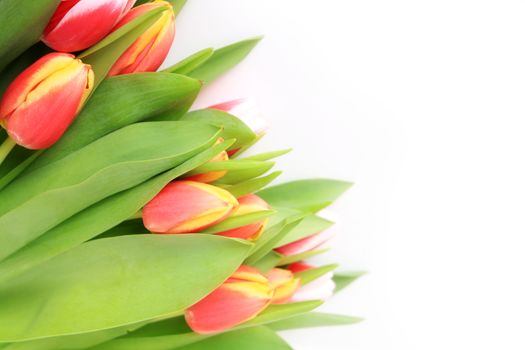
<point x="130" y="216"/>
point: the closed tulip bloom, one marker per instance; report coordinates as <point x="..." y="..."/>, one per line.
<point x="242" y="297"/>
<point x="43" y="101"/>
<point x="79" y="24"/>
<point x="248" y="204"/>
<point x="319" y="289"/>
<point x="148" y="52"/>
<point x="187" y="207"/>
<point x="212" y="175"/>
<point x="284" y="283"/>
<point x="246" y="110"/>
<point x="306" y="244"/>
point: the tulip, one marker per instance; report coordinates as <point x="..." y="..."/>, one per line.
<point x="246" y="110"/>
<point x="187" y="206"/>
<point x="212" y="175"/>
<point x="148" y="52"/>
<point x="284" y="283"/>
<point x="242" y="297"/>
<point x="248" y="204"/>
<point x="79" y="24"/>
<point x="306" y="244"/>
<point x="40" y="104"/>
<point x="319" y="289"/>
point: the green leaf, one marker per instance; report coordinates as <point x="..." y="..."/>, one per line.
<point x="289" y="259"/>
<point x="233" y="127"/>
<point x="112" y="282"/>
<point x="269" y="261"/>
<point x="313" y="319"/>
<point x="98" y="218"/>
<point x="239" y="221"/>
<point x="17" y="170"/>
<point x="120" y="101"/>
<point x="224" y="59"/>
<point x="255" y="338"/>
<point x="311" y="275"/>
<point x="310" y="225"/>
<point x="343" y="279"/>
<point x="305" y="195"/>
<point x="268" y="155"/>
<point x="252" y="185"/>
<point x="278" y="312"/>
<point x="23" y="22"/>
<point x="92" y="174"/>
<point x="177" y="5"/>
<point x="190" y="63"/>
<point x="106" y="52"/>
<point x="239" y="170"/>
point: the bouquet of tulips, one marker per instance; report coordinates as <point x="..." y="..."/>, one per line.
<point x="129" y="220"/>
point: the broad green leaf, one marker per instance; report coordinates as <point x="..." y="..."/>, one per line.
<point x="278" y="312"/>
<point x="305" y="195"/>
<point x="269" y="261"/>
<point x="252" y="185"/>
<point x="239" y="170"/>
<point x="92" y="174"/>
<point x="311" y="275"/>
<point x="313" y="319"/>
<point x="17" y="170"/>
<point x="255" y="338"/>
<point x="268" y="155"/>
<point x="113" y="282"/>
<point x="239" y="221"/>
<point x="268" y="239"/>
<point x="106" y="52"/>
<point x="120" y="101"/>
<point x="343" y="279"/>
<point x="23" y="22"/>
<point x="310" y="225"/>
<point x="233" y="127"/>
<point x="190" y="63"/>
<point x="128" y="227"/>
<point x="98" y="218"/>
<point x="286" y="260"/>
<point x="224" y="59"/>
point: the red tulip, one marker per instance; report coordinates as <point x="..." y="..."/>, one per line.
<point x="248" y="204"/>
<point x="242" y="297"/>
<point x="212" y="175"/>
<point x="148" y="52"/>
<point x="319" y="289"/>
<point x="305" y="244"/>
<point x="79" y="24"/>
<point x="43" y="100"/>
<point x="285" y="285"/>
<point x="247" y="111"/>
<point x="186" y="207"/>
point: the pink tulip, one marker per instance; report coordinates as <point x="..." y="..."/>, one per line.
<point x="306" y="244"/>
<point x="284" y="283"/>
<point x="43" y="100"/>
<point x="148" y="52"/>
<point x="248" y="204"/>
<point x="187" y="207"/>
<point x="242" y="297"/>
<point x="79" y="24"/>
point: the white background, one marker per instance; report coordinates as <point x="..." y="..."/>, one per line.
<point x="420" y="103"/>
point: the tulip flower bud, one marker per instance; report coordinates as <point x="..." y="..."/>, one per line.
<point x="305" y="244"/>
<point x="248" y="204"/>
<point x="284" y="283"/>
<point x="79" y="24"/>
<point x="242" y="297"/>
<point x="212" y="175"/>
<point x="148" y="52"/>
<point x="41" y="103"/>
<point x="319" y="289"/>
<point x="187" y="207"/>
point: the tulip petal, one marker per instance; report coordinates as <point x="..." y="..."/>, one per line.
<point x="305" y="244"/>
<point x="248" y="204"/>
<point x="284" y="283"/>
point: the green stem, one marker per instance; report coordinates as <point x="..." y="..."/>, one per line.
<point x="5" y="148"/>
<point x="137" y="215"/>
